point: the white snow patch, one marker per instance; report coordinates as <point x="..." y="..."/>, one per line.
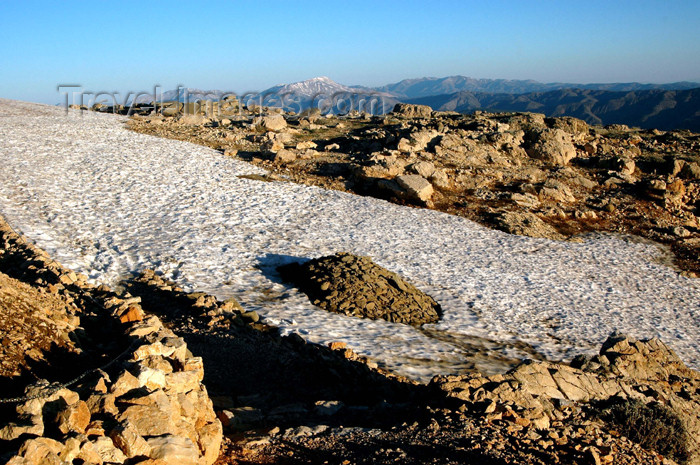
<point x="107" y="202"/>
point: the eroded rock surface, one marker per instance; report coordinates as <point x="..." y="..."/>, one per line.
<point x="356" y="286"/>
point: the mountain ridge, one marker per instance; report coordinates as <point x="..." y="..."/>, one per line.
<point x="663" y="106"/>
<point x="656" y="108"/>
<point x="427" y="86"/>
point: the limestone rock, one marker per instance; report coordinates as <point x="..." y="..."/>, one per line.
<point x="527" y="224"/>
<point x="173" y="449"/>
<point x="126" y="437"/>
<point x="73" y="418"/>
<point x="284" y="156"/>
<point x="412" y="111"/>
<point x="578" y="129"/>
<point x="423" y="168"/>
<point x="274" y="122"/>
<point x="193" y="120"/>
<point x="41" y="451"/>
<point x="551" y="145"/>
<point x="209" y="441"/>
<point x="416" y="187"/>
<point x="107" y="451"/>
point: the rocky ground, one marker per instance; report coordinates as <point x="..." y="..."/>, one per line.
<point x="152" y="374"/>
<point x="519" y="172"/>
<point x="87" y="377"/>
<point x="282" y="400"/>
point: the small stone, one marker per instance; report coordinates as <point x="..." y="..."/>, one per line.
<point x="337" y="345"/>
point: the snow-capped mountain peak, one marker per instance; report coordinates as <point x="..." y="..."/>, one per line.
<point x="310" y="87"/>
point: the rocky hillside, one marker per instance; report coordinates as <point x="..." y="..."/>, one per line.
<point x="656" y="108"/>
<point x="87" y="377"/>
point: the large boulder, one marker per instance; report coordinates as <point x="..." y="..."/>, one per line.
<point x="550" y="145"/>
<point x="274" y="122"/>
<point x="578" y="129"/>
<point x="356" y="286"/>
<point x="408" y="110"/>
<point x="415" y="187"/>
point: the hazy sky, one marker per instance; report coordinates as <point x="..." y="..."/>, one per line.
<point x="243" y="46"/>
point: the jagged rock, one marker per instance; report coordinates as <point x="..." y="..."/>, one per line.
<point x="174" y="449"/>
<point x="183" y="381"/>
<point x="124" y="383"/>
<point x="625" y="368"/>
<point x="551" y="145"/>
<point x="527" y="224"/>
<point x="126" y="437"/>
<point x="578" y="129"/>
<point x="150" y="378"/>
<point x="355" y="286"/>
<point x="416" y="187"/>
<point x="525" y="200"/>
<point x="412" y="111"/>
<point x="209" y="441"/>
<point x="73" y="418"/>
<point x="417" y="141"/>
<point x="284" y="156"/>
<point x="27" y="424"/>
<point x="41" y="451"/>
<point x="274" y="122"/>
<point x="557" y="191"/>
<point x="38" y="391"/>
<point x="690" y="170"/>
<point x="107" y="451"/>
<point x="423" y="168"/>
<point x="131" y="314"/>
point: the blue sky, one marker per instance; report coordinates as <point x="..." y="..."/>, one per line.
<point x="243" y="46"/>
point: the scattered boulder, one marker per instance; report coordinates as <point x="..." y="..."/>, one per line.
<point x="274" y="122"/>
<point x="527" y="224"/>
<point x="551" y="145"/>
<point x="416" y="188"/>
<point x="578" y="129"/>
<point x="284" y="156"/>
<point x="408" y="110"/>
<point x="193" y="120"/>
<point x="647" y="371"/>
<point x="355" y="286"/>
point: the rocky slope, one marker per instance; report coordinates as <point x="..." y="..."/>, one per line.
<point x="119" y="387"/>
<point x="281" y="400"/>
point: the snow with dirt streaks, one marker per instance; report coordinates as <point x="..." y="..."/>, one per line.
<point x="109" y="202"/>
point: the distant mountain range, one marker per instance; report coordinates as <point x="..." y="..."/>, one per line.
<point x="664" y="106"/>
<point x="326" y="94"/>
<point x="658" y="108"/>
<point x="428" y="86"/>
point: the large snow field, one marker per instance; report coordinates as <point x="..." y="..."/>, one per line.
<point x="108" y="202"/>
